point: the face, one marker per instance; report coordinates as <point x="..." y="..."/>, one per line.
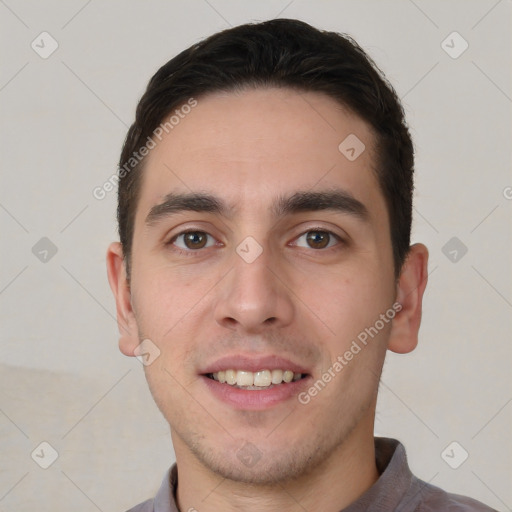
<point x="273" y="274"/>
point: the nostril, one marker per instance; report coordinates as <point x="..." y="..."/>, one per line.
<point x="230" y="323"/>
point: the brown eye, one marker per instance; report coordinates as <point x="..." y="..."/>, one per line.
<point x="318" y="239"/>
<point x="195" y="239"/>
<point x="192" y="240"/>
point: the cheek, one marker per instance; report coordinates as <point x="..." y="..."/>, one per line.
<point x="165" y="296"/>
<point x="170" y="311"/>
<point x="348" y="301"/>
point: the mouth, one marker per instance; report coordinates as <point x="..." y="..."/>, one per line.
<point x="255" y="381"/>
<point x="248" y="383"/>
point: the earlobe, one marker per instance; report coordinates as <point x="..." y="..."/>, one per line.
<point x="410" y="288"/>
<point x="127" y="325"/>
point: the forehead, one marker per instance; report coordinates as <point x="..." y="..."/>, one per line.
<point x="250" y="147"/>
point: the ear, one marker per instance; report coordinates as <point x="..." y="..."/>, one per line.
<point x="126" y="323"/>
<point x="410" y="287"/>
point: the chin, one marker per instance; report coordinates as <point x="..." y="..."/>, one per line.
<point x="266" y="470"/>
<point x="244" y="462"/>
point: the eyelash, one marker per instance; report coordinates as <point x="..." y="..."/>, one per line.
<point x="193" y="252"/>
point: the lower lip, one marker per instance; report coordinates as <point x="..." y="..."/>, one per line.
<point x="254" y="400"/>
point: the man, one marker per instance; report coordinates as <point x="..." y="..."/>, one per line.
<point x="265" y="267"/>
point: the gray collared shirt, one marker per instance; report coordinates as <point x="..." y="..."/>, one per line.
<point x="396" y="490"/>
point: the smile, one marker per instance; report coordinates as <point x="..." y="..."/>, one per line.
<point x="262" y="379"/>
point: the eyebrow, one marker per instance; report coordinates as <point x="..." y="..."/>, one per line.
<point x="337" y="200"/>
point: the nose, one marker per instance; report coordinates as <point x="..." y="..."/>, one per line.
<point x="254" y="296"/>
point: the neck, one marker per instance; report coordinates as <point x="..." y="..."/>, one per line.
<point x="347" y="473"/>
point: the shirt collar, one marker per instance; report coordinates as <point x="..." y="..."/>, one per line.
<point x="387" y="493"/>
<point x="165" y="499"/>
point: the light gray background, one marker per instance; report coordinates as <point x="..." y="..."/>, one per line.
<point x="63" y="120"/>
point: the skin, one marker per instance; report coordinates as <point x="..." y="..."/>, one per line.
<point x="295" y="300"/>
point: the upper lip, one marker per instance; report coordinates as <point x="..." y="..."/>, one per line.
<point x="253" y="364"/>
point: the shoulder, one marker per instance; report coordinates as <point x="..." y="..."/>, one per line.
<point x="434" y="499"/>
<point x="146" y="506"/>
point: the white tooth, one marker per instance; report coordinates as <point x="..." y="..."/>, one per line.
<point x="277" y="376"/>
<point x="287" y="376"/>
<point x="244" y="378"/>
<point x="230" y="376"/>
<point x="296" y="376"/>
<point x="221" y="376"/>
<point x="214" y="375"/>
<point x="263" y="378"/>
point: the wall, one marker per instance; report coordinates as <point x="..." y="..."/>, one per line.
<point x="64" y="118"/>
